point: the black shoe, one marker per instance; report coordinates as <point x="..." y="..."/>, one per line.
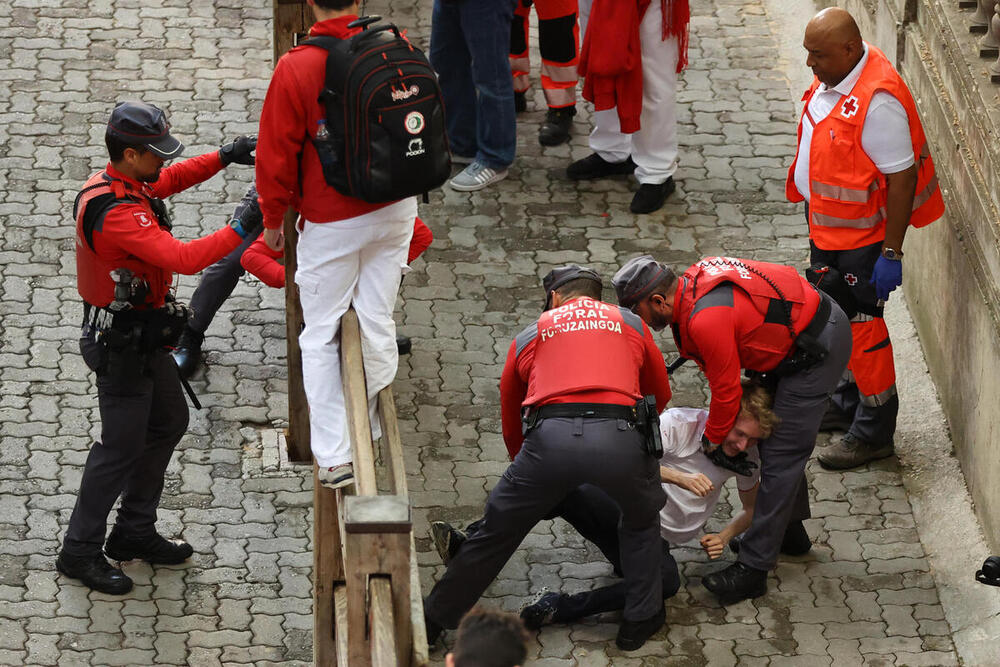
<point x="736" y="582"/>
<point x="153" y="548"/>
<point x="835" y="420"/>
<point x="594" y="166"/>
<point x="851" y="451"/>
<point x="447" y="540"/>
<point x="187" y="355"/>
<point x="520" y="101"/>
<point x="633" y="634"/>
<point x="795" y="543"/>
<point x="542" y="610"/>
<point x="651" y="196"/>
<point x="95" y="572"/>
<point x="555" y="129"/>
<point x="403" y="344"/>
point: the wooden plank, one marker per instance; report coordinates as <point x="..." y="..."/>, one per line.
<point x="420" y="654"/>
<point x="340" y="614"/>
<point x="356" y="401"/>
<point x="298" y="406"/>
<point x="392" y="440"/>
<point x="289" y="18"/>
<point x="328" y="568"/>
<point x="381" y="623"/>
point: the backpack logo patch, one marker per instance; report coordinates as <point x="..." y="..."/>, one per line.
<point x="414" y="122"/>
<point x="850" y="279"/>
<point x="142" y="218"/>
<point x="415" y="147"/>
<point x="405" y="93"/>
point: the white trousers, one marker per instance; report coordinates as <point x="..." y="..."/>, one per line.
<point x="654" y="147"/>
<point x="355" y="261"/>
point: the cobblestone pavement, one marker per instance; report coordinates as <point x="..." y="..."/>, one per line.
<point x="864" y="595"/>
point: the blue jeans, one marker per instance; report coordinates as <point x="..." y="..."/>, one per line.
<point x="470" y="40"/>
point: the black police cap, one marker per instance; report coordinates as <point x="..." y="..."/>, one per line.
<point x="561" y="275"/>
<point x="638" y="278"/>
<point x="141" y="124"/>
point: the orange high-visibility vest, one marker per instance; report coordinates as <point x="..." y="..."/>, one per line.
<point x="847" y="192"/>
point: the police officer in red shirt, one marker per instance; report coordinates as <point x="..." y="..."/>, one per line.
<point x="569" y="391"/>
<point x="126" y="258"/>
<point x="730" y="314"/>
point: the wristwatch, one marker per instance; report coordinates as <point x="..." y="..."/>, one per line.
<point x="893" y="254"/>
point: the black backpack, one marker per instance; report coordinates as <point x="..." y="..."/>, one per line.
<point x="384" y="116"/>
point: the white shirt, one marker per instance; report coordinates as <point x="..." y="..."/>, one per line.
<point x="684" y="513"/>
<point x="885" y="136"/>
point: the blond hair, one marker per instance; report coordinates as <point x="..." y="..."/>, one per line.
<point x="756" y="404"/>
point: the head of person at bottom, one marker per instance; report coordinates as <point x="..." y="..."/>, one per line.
<point x="565" y="283"/>
<point x="139" y="141"/>
<point x="647" y="288"/>
<point x="488" y="638"/>
<point x="755" y="422"/>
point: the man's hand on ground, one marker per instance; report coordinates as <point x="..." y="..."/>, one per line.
<point x="712" y="544"/>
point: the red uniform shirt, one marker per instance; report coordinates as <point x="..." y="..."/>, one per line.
<point x="585" y="351"/>
<point x="129" y="237"/>
<point x="724" y="331"/>
<point x="288" y="168"/>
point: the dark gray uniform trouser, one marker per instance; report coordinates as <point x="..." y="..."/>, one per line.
<point x="800" y="401"/>
<point x="217" y="282"/>
<point x="559" y="455"/>
<point x="143" y="417"/>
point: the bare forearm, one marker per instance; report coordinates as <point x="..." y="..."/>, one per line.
<point x="738" y="525"/>
<point x="899" y="206"/>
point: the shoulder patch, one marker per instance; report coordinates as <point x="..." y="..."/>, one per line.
<point x="143" y="218"/>
<point x="527" y="335"/>
<point x="721" y="295"/>
<point x="631" y="319"/>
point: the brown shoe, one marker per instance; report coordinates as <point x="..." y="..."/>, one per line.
<point x="851" y="452"/>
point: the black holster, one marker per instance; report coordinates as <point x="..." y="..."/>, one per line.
<point x="649" y="425"/>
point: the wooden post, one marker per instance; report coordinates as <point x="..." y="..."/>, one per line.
<point x="377" y="537"/>
<point x="328" y="569"/>
<point x="380" y="622"/>
<point x="291" y="17"/>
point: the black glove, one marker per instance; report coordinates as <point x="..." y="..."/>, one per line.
<point x="239" y="151"/>
<point x="247" y="218"/>
<point x="165" y="325"/>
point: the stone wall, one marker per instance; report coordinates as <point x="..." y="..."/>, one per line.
<point x="952" y="267"/>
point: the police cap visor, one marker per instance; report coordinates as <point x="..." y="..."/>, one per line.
<point x="141" y="124"/>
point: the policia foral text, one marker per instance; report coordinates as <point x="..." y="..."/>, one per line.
<point x="126" y="257"/>
<point x="574" y="376"/>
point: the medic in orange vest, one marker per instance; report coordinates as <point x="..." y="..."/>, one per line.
<point x="559" y="43"/>
<point x="865" y="170"/>
<point x="731" y="315"/>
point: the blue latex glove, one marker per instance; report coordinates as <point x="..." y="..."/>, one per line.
<point x="886" y="276"/>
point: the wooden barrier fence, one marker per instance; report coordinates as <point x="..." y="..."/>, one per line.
<point x="367" y="609"/>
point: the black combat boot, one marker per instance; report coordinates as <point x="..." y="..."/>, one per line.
<point x="556" y="128"/>
<point x="153" y="548"/>
<point x="95" y="572"/>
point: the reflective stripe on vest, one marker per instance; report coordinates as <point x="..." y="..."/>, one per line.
<point x="854" y="223"/>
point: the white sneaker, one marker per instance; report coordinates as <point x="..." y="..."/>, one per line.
<point x="476" y="177"/>
<point x="337" y="476"/>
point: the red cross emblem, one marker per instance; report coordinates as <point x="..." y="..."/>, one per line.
<point x="849" y="107"/>
<point x="850" y="279"/>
